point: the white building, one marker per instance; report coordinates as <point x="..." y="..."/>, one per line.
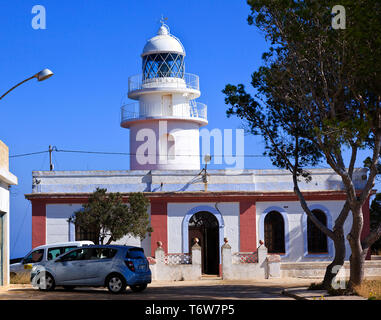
<point x="245" y="206"/>
<point x="6" y="180"/>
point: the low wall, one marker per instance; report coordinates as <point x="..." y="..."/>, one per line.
<point x="176" y="267"/>
<point x="249" y="266"/>
<point x="310" y="270"/>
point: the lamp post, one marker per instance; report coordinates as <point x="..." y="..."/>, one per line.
<point x="41" y="76"/>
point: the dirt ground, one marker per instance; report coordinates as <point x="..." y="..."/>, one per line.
<point x="269" y="289"/>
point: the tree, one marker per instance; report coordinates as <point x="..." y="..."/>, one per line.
<point x="111" y="218"/>
<point x="317" y="96"/>
<point x="375" y="219"/>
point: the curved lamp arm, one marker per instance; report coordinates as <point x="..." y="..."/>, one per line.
<point x="41" y="76"/>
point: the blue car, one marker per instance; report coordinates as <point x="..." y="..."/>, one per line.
<point x="111" y="266"/>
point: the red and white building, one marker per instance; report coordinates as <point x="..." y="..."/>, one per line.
<point x="245" y="206"/>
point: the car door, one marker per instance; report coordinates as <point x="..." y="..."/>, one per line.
<point x="70" y="269"/>
<point x="99" y="265"/>
<point x="33" y="258"/>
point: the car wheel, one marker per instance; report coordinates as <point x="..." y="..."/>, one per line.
<point x="46" y="283"/>
<point x="116" y="283"/>
<point x="138" y="288"/>
<point x="69" y="288"/>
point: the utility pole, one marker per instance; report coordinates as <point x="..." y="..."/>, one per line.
<point x="50" y="158"/>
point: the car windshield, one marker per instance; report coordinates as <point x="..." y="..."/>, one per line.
<point x="34" y="257"/>
<point x="135" y="253"/>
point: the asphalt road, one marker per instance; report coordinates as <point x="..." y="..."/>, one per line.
<point x="179" y="290"/>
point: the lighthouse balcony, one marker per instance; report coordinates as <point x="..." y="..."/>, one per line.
<point x="192" y="111"/>
<point x="186" y="83"/>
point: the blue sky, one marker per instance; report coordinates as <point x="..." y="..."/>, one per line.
<point x="93" y="47"/>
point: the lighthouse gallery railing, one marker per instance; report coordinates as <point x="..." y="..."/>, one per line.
<point x="188" y="81"/>
<point x="135" y="110"/>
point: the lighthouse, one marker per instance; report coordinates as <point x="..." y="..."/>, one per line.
<point x="164" y="121"/>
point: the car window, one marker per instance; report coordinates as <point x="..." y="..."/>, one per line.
<point x="53" y="253"/>
<point x="57" y="251"/>
<point x="35" y="256"/>
<point x="135" y="253"/>
<point x="66" y="249"/>
<point x="103" y="253"/>
<point x="74" y="255"/>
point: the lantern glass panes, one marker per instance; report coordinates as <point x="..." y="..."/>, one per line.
<point x="162" y="65"/>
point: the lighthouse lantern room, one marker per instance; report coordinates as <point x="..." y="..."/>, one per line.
<point x="164" y="123"/>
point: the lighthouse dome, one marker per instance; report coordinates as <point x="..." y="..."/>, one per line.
<point x="163" y="42"/>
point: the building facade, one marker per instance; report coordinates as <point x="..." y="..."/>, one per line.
<point x="6" y="180"/>
<point x="245" y="206"/>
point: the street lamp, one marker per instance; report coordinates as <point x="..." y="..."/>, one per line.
<point x="41" y="76"/>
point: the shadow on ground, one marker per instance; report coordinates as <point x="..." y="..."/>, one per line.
<point x="178" y="292"/>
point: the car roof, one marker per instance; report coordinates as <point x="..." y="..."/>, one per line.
<point x="67" y="244"/>
<point x="116" y="246"/>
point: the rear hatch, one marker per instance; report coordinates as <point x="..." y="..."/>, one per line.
<point x="136" y="261"/>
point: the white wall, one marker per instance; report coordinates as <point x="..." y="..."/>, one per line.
<point x="186" y="135"/>
<point x="4" y="210"/>
<point x="177" y="212"/>
<point x="295" y="213"/>
<point x="57" y="226"/>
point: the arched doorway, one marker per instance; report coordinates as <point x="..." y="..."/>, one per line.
<point x="274" y="232"/>
<point x="204" y="226"/>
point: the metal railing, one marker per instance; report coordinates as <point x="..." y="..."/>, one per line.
<point x="245" y="257"/>
<point x="189" y="81"/>
<point x="135" y="111"/>
<point x="178" y="258"/>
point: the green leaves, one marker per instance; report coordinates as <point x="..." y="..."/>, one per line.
<point x="112" y="218"/>
<point x="318" y="91"/>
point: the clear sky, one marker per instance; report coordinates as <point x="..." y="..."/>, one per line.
<point x="93" y="46"/>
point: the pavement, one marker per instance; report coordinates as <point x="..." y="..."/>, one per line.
<point x="302" y="293"/>
<point x="206" y="289"/>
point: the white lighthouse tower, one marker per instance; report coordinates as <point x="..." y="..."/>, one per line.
<point x="164" y="123"/>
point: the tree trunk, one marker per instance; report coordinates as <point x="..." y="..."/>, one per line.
<point x="334" y="267"/>
<point x="357" y="257"/>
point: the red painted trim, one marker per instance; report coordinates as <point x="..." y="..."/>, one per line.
<point x="159" y="225"/>
<point x="366" y="227"/>
<point x="206" y="196"/>
<point x="247" y="226"/>
<point x="38" y="223"/>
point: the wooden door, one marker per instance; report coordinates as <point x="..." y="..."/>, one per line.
<point x="204" y="226"/>
<point x="167" y="105"/>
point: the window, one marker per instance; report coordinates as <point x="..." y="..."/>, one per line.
<point x="87" y="234"/>
<point x="55" y="252"/>
<point x="161" y="65"/>
<point x="167" y="147"/>
<point x="135" y="253"/>
<point x="66" y="249"/>
<point x="34" y="257"/>
<point x="79" y="254"/>
<point x="103" y="253"/>
<point x="274" y="232"/>
<point x="317" y="240"/>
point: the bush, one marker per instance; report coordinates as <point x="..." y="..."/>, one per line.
<point x="22" y="278"/>
<point x="316" y="286"/>
<point x="370" y="289"/>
